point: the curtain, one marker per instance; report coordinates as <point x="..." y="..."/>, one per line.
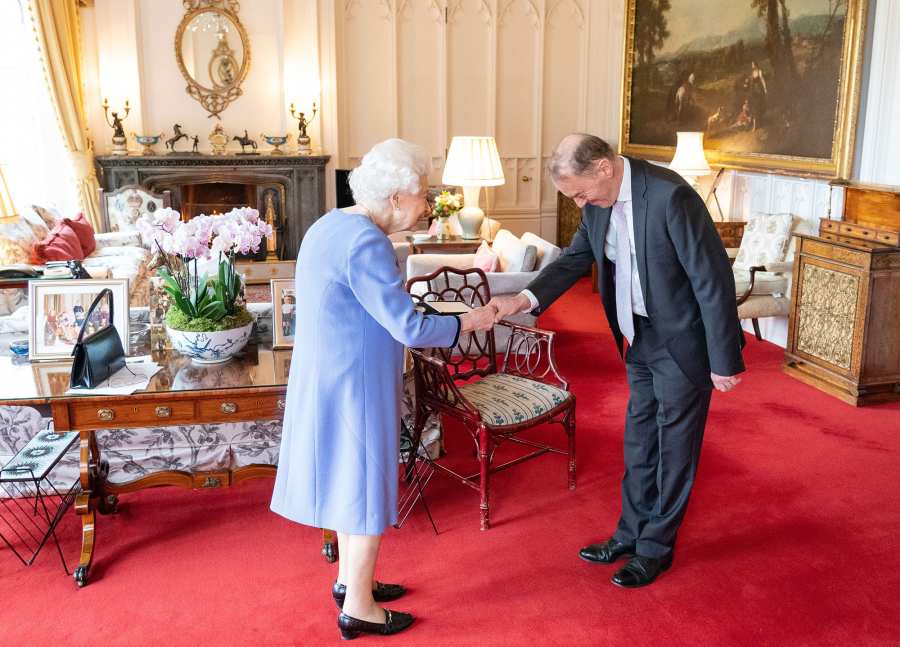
<point x="57" y="32"/>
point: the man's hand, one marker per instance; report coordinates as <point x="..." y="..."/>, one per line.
<point x="478" y="319"/>
<point x="509" y="305"/>
<point x="724" y="383"/>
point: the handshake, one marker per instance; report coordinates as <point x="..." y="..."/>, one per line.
<point x="484" y="318"/>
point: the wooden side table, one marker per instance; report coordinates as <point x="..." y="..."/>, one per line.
<point x="450" y="245"/>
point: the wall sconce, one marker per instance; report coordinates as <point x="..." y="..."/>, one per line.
<point x="119" y="141"/>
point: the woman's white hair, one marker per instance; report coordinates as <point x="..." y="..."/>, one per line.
<point x="393" y="166"/>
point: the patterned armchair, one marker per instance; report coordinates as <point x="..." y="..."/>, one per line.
<point x="525" y="391"/>
<point x="762" y="268"/>
<point x="120" y="209"/>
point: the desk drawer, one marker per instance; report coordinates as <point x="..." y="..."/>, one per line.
<point x="244" y="407"/>
<point x="94" y="414"/>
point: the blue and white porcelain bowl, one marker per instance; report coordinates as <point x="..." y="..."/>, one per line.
<point x="210" y="347"/>
<point x="19" y="347"/>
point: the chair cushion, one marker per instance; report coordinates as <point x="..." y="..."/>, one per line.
<point x="547" y="252"/>
<point x="510" y="400"/>
<point x="766" y="239"/>
<point x="763" y="283"/>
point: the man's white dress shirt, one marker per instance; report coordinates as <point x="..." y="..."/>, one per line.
<point x="609" y="247"/>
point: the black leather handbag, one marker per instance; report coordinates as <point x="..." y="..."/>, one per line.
<point x="98" y="355"/>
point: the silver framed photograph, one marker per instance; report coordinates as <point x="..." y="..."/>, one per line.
<point x="58" y="310"/>
<point x="284" y="311"/>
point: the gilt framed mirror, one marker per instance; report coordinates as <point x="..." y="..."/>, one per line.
<point x="213" y="52"/>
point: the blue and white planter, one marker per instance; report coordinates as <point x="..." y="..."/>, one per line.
<point x="210" y="347"/>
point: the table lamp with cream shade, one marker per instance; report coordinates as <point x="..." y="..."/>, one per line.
<point x="690" y="160"/>
<point x="472" y="162"/>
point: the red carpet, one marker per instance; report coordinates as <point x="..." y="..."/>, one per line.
<point x="792" y="538"/>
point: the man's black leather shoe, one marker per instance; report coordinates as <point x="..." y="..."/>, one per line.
<point x="607" y="552"/>
<point x="641" y="571"/>
<point x="381" y="593"/>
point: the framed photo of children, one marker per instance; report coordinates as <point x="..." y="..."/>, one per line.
<point x="772" y="84"/>
<point x="59" y="309"/>
<point x="284" y="309"/>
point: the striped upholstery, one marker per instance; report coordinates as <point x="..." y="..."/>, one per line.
<point x="510" y="400"/>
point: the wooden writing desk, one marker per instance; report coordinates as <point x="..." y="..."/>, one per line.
<point x="254" y="390"/>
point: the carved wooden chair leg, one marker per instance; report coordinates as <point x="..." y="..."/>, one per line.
<point x="570" y="431"/>
<point x="419" y="421"/>
<point x="484" y="459"/>
<point x="756" y="332"/>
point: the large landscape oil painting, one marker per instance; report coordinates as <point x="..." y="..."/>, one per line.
<point x="772" y="83"/>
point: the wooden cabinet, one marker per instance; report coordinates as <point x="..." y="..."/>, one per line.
<point x="843" y="334"/>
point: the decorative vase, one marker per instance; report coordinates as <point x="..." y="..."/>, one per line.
<point x="443" y="231"/>
<point x="147" y="141"/>
<point x="275" y="141"/>
<point x="470" y="220"/>
<point x="210" y="347"/>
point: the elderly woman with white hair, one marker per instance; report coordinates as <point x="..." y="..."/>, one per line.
<point x="338" y="466"/>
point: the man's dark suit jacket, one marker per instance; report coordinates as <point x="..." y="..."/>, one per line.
<point x="685" y="274"/>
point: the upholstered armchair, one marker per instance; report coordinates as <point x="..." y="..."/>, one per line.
<point x="121" y="209"/>
<point x="524" y="391"/>
<point x="509" y="277"/>
<point x="762" y="268"/>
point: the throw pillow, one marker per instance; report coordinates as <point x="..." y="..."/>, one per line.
<point x="509" y="250"/>
<point x="485" y="258"/>
<point x="547" y="252"/>
<point x="16" y="239"/>
<point x="84" y="231"/>
<point x="60" y="245"/>
<point x="50" y="216"/>
<point x="766" y="240"/>
<point x="529" y="260"/>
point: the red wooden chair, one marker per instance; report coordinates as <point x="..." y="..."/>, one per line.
<point x="526" y="391"/>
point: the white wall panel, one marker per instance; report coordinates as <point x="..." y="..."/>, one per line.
<point x="368" y="80"/>
<point x="470" y="74"/>
<point x="518" y="78"/>
<point x="420" y="34"/>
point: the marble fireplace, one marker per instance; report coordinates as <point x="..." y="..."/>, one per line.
<point x="289" y="190"/>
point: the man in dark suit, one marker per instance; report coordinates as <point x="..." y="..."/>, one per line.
<point x="668" y="290"/>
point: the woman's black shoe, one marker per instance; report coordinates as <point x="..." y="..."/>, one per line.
<point x="381" y="593"/>
<point x="395" y="622"/>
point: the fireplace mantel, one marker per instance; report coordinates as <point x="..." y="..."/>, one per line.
<point x="298" y="182"/>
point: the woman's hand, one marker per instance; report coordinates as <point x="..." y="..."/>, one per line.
<point x="477" y="319"/>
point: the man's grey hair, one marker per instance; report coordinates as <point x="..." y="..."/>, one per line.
<point x="580" y="160"/>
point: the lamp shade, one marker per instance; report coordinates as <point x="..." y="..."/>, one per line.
<point x="7" y="209"/>
<point x="473" y="161"/>
<point x="689" y="160"/>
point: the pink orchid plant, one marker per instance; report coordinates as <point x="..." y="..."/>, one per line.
<point x="182" y="244"/>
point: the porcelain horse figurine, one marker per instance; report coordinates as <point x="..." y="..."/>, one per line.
<point x="244" y="142"/>
<point x="170" y="143"/>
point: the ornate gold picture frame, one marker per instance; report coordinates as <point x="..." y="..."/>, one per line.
<point x="773" y="84"/>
